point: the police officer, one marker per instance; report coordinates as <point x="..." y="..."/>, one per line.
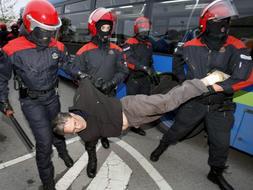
<point x="104" y="62"/>
<point x="213" y="49"/>
<point x="35" y="58"/>
<point x="138" y="50"/>
<point x="3" y="34"/>
<point x="14" y="32"/>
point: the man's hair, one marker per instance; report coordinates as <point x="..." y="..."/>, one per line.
<point x="60" y="121"/>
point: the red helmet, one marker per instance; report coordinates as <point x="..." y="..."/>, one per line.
<point x="3" y="27"/>
<point x="142" y="24"/>
<point x="217" y="10"/>
<point x="42" y="14"/>
<point x="97" y="15"/>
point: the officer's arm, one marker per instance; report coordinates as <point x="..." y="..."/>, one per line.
<point x="178" y="65"/>
<point x="240" y="67"/>
<point x="5" y="76"/>
<point x="121" y="70"/>
<point x="133" y="62"/>
<point x="69" y="65"/>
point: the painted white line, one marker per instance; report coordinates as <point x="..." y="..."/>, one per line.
<point x="114" y="174"/>
<point x="153" y="173"/>
<point x="31" y="155"/>
<point x="70" y="176"/>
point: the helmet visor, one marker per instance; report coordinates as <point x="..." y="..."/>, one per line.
<point x="98" y="14"/>
<point x="35" y="23"/>
<point x="221" y="9"/>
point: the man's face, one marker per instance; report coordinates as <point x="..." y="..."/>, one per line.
<point x="74" y="124"/>
<point x="105" y="28"/>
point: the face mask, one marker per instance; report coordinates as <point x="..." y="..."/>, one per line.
<point x="104" y="35"/>
<point x="216" y="33"/>
<point x="41" y="37"/>
<point x="143" y="35"/>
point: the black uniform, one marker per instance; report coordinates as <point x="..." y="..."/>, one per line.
<point x="102" y="60"/>
<point x="36" y="69"/>
<point x="138" y="54"/>
<point x="216" y="109"/>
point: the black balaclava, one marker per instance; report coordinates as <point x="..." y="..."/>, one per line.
<point x="216" y="33"/>
<point x="41" y="37"/>
<point x="143" y="35"/>
<point x="103" y="36"/>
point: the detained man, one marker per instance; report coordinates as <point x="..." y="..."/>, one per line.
<point x="95" y="115"/>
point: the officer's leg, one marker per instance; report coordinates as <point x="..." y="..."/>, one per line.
<point x="53" y="109"/>
<point x="134" y="87"/>
<point x="92" y="161"/>
<point x="219" y="125"/>
<point x="37" y="117"/>
<point x="187" y="118"/>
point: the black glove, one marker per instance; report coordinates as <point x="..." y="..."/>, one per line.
<point x="146" y="69"/>
<point x="6" y="108"/>
<point x="82" y="75"/>
<point x="108" y="86"/>
<point x="98" y="83"/>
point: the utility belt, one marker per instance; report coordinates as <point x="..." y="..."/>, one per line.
<point x="34" y="94"/>
<point x="25" y="92"/>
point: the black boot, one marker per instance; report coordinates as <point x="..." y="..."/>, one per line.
<point x="215" y="176"/>
<point x="138" y="131"/>
<point x="67" y="159"/>
<point x="49" y="185"/>
<point x="105" y="143"/>
<point x="158" y="151"/>
<point x="92" y="162"/>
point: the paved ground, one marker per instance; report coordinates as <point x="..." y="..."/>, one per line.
<point x="125" y="165"/>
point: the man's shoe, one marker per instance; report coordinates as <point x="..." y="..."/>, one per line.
<point x="155" y="155"/>
<point x="105" y="143"/>
<point x="67" y="160"/>
<point x="92" y="168"/>
<point x="138" y="131"/>
<point x="215" y="176"/>
<point x="49" y="186"/>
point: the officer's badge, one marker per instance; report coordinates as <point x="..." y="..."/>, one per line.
<point x="55" y="55"/>
<point x="111" y="52"/>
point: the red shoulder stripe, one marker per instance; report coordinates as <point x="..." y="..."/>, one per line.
<point x="55" y="43"/>
<point x="235" y="42"/>
<point x="114" y="46"/>
<point x="86" y="47"/>
<point x="244" y="84"/>
<point x="132" y="41"/>
<point x="194" y="42"/>
<point x="18" y="44"/>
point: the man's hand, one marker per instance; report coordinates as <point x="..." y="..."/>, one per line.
<point x="6" y="108"/>
<point x="217" y="88"/>
<point x="214" y="77"/>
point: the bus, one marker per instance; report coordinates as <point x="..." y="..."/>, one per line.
<point x="173" y="22"/>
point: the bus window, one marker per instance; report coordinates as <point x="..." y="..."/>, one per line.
<point x="75" y="7"/>
<point x="174" y="21"/>
<point x="125" y="21"/>
<point x="242" y="27"/>
<point x="108" y="3"/>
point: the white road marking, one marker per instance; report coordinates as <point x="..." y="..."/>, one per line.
<point x="31" y="155"/>
<point x="152" y="172"/>
<point x="70" y="176"/>
<point x="114" y="174"/>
